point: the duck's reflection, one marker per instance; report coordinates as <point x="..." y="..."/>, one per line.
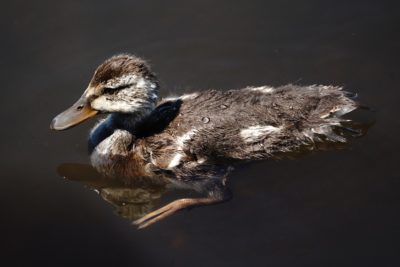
<point x="130" y="201"/>
<point x="137" y="199"/>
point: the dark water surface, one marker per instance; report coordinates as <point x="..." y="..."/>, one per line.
<point x="337" y="208"/>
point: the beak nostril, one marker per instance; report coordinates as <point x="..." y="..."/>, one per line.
<point x="79" y="107"/>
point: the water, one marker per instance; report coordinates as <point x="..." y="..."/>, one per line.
<point x="337" y="208"/>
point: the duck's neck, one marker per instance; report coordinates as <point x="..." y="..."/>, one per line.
<point x="106" y="127"/>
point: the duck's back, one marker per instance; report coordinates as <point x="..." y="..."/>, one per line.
<point x="251" y="123"/>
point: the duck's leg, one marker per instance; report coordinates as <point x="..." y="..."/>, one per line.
<point x="218" y="194"/>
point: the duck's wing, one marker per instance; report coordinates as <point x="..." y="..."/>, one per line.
<point x="159" y="119"/>
<point x="263" y="122"/>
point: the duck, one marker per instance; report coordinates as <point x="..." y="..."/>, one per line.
<point x="195" y="140"/>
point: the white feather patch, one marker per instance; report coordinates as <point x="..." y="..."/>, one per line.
<point x="175" y="161"/>
<point x="182" y="97"/>
<point x="263" y="89"/>
<point x="257" y="133"/>
<point x="180" y="142"/>
<point x="143" y="83"/>
<point x="102" y="103"/>
<point x="189" y="96"/>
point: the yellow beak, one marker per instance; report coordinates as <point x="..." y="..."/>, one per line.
<point x="76" y="114"/>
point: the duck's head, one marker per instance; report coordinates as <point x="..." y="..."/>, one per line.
<point x="121" y="84"/>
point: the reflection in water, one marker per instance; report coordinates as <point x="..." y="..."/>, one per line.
<point x="131" y="201"/>
<point x="137" y="199"/>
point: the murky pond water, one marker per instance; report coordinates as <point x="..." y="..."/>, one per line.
<point x="336" y="208"/>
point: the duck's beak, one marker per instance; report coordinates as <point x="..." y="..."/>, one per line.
<point x="76" y="114"/>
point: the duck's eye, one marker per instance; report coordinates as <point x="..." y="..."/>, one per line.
<point x="110" y="91"/>
<point x="79" y="107"/>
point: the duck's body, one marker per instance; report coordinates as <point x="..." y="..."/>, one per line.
<point x="193" y="139"/>
<point x="201" y="130"/>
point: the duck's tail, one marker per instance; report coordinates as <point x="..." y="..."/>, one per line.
<point x="328" y="122"/>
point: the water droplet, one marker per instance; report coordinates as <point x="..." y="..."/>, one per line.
<point x="205" y="120"/>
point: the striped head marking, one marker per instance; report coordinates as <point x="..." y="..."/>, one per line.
<point x="123" y="84"/>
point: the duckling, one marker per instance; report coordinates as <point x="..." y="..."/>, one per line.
<point x="194" y="139"/>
